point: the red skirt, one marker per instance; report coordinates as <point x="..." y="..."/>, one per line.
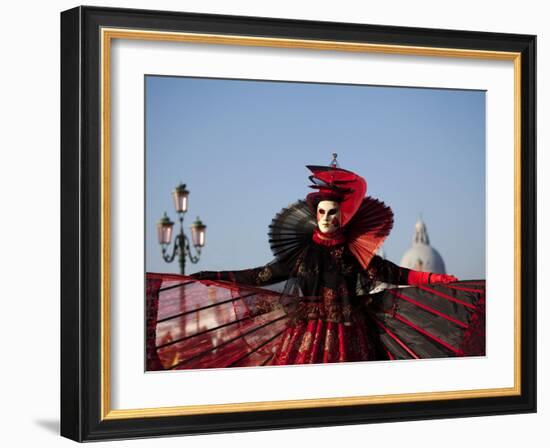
<point x="317" y="341"/>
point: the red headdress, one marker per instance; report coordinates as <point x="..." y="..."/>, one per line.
<point x="336" y="184"/>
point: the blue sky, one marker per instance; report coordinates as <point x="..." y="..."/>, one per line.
<point x="241" y="147"/>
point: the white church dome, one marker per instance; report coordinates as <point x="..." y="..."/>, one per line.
<point x="421" y="256"/>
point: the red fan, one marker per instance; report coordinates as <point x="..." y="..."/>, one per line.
<point x="368" y="229"/>
<point x="204" y="324"/>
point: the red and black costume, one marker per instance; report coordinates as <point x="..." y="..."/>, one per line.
<point x="324" y="312"/>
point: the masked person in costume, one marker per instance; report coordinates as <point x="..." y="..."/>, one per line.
<point x="325" y="250"/>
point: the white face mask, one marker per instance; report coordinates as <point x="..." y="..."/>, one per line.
<point x="328" y="216"/>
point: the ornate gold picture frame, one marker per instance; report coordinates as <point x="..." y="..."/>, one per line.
<point x="87" y="36"/>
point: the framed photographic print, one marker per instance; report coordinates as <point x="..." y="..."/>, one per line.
<point x="273" y="223"/>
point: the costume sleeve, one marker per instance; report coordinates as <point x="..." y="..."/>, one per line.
<point x="385" y="271"/>
<point x="273" y="272"/>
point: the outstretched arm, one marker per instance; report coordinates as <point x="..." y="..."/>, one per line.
<point x="273" y="272"/>
<point x="388" y="272"/>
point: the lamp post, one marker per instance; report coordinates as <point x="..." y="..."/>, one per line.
<point x="182" y="244"/>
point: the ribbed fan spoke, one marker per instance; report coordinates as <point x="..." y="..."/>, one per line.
<point x="290" y="231"/>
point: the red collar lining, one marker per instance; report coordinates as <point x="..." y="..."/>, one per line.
<point x="329" y="239"/>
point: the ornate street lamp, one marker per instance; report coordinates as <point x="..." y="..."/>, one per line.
<point x="182" y="245"/>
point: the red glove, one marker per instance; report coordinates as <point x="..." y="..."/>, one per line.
<point x="423" y="278"/>
<point x="443" y="278"/>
